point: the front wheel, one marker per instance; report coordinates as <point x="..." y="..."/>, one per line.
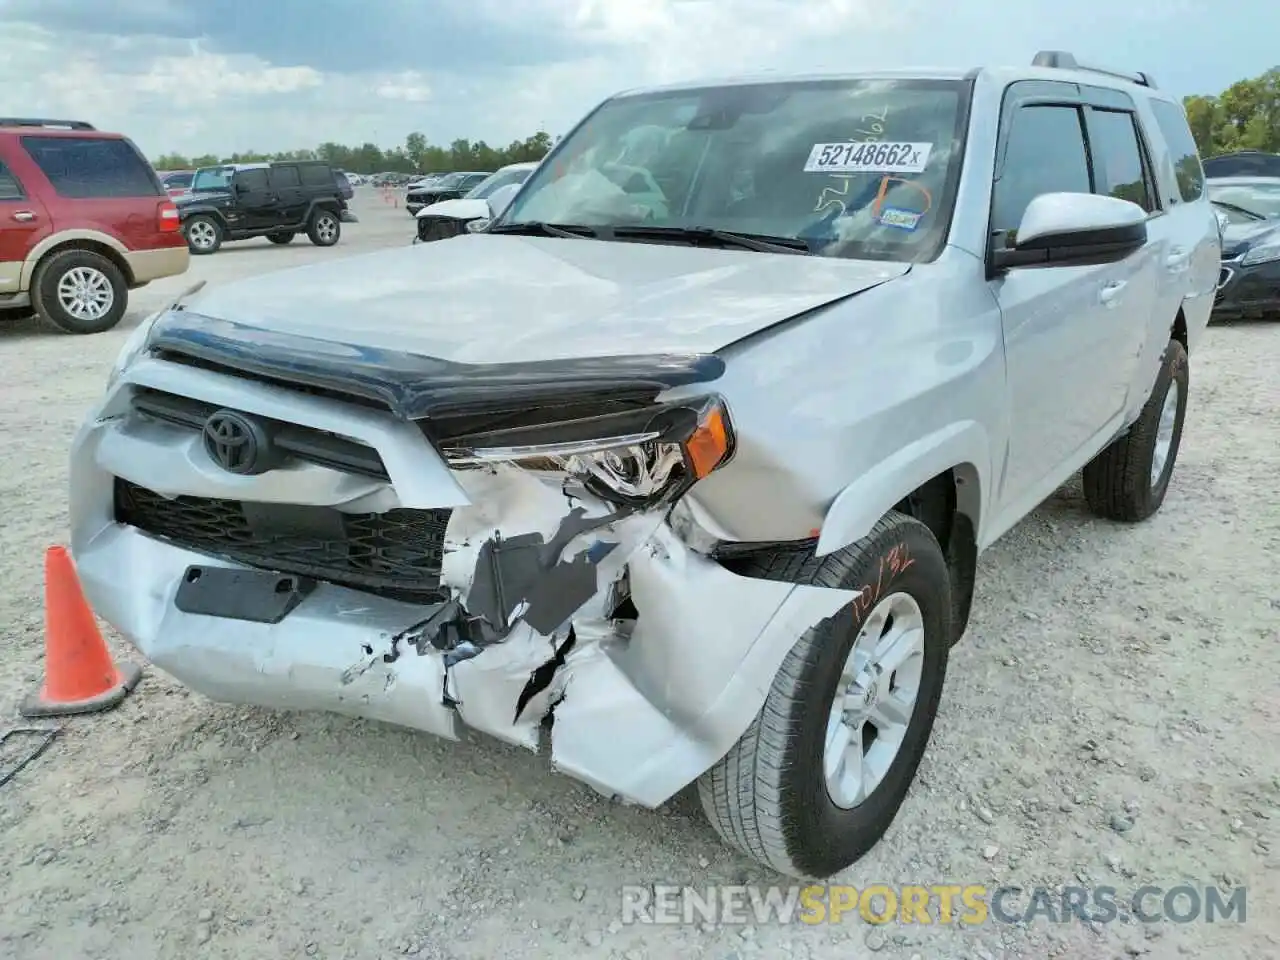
<point x="204" y="235"/>
<point x="324" y="228"/>
<point x="79" y="291"/>
<point x="1128" y="480"/>
<point x="819" y="775"/>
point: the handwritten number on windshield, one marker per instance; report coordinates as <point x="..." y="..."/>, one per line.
<point x="871" y="129"/>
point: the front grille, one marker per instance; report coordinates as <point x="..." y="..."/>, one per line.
<point x="440" y="228"/>
<point x="396" y="554"/>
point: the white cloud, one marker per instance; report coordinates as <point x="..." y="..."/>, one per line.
<point x="410" y="86"/>
<point x="201" y="96"/>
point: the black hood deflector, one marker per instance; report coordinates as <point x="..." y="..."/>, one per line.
<point x="415" y="387"/>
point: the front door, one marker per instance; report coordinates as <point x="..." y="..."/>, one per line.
<point x="1069" y="331"/>
<point x="256" y="205"/>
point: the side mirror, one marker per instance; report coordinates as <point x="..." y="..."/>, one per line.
<point x="501" y="198"/>
<point x="478" y="226"/>
<point x="1075" y="229"/>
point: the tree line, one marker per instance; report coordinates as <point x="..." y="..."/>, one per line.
<point x="1245" y="116"/>
<point x="415" y="156"/>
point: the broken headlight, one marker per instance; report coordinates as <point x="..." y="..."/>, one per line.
<point x="637" y="457"/>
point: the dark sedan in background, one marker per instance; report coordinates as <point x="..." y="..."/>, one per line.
<point x="1248" y="211"/>
<point x="452" y="186"/>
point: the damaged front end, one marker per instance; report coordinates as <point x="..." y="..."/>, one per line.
<point x="520" y="554"/>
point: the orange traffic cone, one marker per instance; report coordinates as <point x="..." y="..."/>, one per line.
<point x="79" y="674"/>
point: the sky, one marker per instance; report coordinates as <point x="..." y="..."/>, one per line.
<point x="218" y="76"/>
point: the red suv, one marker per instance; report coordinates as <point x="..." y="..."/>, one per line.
<point x="83" y="220"/>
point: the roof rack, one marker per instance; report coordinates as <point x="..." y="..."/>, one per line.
<point x="1061" y="60"/>
<point x="38" y="122"/>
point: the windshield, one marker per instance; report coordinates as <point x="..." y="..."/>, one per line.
<point x="212" y="178"/>
<point x="1258" y="197"/>
<point x="448" y="180"/>
<point x="496" y="181"/>
<point x="854" y="168"/>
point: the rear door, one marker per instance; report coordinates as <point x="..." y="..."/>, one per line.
<point x="99" y="183"/>
<point x="286" y="183"/>
<point x="23" y="224"/>
<point x="1190" y="222"/>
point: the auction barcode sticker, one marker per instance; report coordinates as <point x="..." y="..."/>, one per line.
<point x="873" y="156"/>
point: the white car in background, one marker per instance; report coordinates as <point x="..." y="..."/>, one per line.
<point x="448" y="218"/>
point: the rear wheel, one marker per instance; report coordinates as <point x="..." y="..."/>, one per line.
<point x="79" y="291"/>
<point x="324" y="228"/>
<point x="283" y="237"/>
<point x="204" y="234"/>
<point x="819" y="775"/>
<point x="1128" y="480"/>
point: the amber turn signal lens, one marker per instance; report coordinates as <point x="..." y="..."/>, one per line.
<point x="708" y="447"/>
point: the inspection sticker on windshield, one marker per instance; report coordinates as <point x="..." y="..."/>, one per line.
<point x="898" y="218"/>
<point x="873" y="156"/>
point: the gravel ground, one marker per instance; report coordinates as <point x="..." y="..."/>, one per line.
<point x="1110" y="718"/>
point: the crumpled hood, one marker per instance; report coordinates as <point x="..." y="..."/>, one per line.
<point x="1239" y="237"/>
<point x="461" y="209"/>
<point x="483" y="298"/>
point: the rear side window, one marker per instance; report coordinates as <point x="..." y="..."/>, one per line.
<point x="255" y="180"/>
<point x="317" y="176"/>
<point x="1045" y="153"/>
<point x="85" y="168"/>
<point x="1172" y="121"/>
<point x="282" y="177"/>
<point x="1117" y="157"/>
<point x="10" y="188"/>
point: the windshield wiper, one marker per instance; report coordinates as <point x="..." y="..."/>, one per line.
<point x="538" y="228"/>
<point x="1236" y="209"/>
<point x="727" y="238"/>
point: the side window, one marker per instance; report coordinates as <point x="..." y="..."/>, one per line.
<point x="283" y="177"/>
<point x="317" y="175"/>
<point x="1117" y="157"/>
<point x="1172" y="121"/>
<point x="10" y="188"/>
<point x="252" y="180"/>
<point x="1045" y="153"/>
<point x="93" y="168"/>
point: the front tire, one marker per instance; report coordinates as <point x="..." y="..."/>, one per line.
<point x="820" y="774"/>
<point x="324" y="229"/>
<point x="79" y="291"/>
<point x="1128" y="480"/>
<point x="204" y="235"/>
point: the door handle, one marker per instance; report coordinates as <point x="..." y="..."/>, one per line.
<point x="23" y="216"/>
<point x="1110" y="292"/>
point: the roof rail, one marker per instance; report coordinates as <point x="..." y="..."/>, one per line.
<point x="38" y="122"/>
<point x="1061" y="60"/>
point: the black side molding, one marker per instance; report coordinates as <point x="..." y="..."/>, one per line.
<point x="411" y="386"/>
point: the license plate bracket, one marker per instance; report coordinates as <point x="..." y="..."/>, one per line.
<point x="256" y="596"/>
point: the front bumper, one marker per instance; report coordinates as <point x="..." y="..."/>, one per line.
<point x="643" y="703"/>
<point x="1247" y="292"/>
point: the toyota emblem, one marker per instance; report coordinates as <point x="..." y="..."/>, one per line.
<point x="236" y="443"/>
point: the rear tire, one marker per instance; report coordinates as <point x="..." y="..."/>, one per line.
<point x="324" y="228"/>
<point x="1128" y="480"/>
<point x="285" y="236"/>
<point x="771" y="796"/>
<point x="79" y="291"/>
<point x="204" y="235"/>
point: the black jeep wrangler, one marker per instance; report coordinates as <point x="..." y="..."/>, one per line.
<point x="236" y="201"/>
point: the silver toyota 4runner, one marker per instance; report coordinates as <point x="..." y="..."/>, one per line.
<point x="689" y="453"/>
